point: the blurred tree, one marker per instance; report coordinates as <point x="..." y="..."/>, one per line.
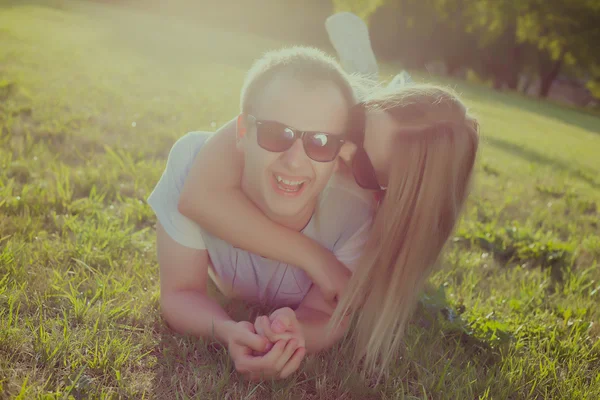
<point x="499" y="39"/>
<point x="362" y="8"/>
<point x="566" y="33"/>
<point x="418" y="32"/>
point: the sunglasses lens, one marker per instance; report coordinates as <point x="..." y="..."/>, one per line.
<point x="321" y="146"/>
<point x="277" y="137"/>
<point x="273" y="136"/>
<point x="363" y="171"/>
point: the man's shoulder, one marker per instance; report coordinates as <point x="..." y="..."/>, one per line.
<point x="185" y="148"/>
<point x="192" y="140"/>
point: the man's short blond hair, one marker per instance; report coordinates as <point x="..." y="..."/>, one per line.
<point x="307" y="64"/>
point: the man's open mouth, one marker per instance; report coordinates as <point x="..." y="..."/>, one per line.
<point x="289" y="185"/>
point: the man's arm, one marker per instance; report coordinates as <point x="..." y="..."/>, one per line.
<point x="185" y="304"/>
<point x="183" y="262"/>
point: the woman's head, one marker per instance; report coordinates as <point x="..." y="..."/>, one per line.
<point x="422" y="143"/>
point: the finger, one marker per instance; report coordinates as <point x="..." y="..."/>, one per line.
<point x="292" y="332"/>
<point x="264" y="363"/>
<point x="287" y="354"/>
<point x="285" y="323"/>
<point x="248" y="365"/>
<point x="275" y="352"/>
<point x="252" y="340"/>
<point x="263" y="367"/>
<point x="286" y="316"/>
<point x="280" y="324"/>
<point x="263" y="325"/>
<point x="279" y="334"/>
<point x="294" y="363"/>
<point x="259" y="325"/>
<point x="283" y="311"/>
<point x="248" y="325"/>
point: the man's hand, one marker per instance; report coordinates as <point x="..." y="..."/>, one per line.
<point x="282" y="326"/>
<point x="279" y="362"/>
<point x="242" y="341"/>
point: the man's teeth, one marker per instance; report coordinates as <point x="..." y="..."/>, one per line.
<point x="288" y="182"/>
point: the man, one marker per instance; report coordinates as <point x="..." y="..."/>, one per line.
<point x="285" y="92"/>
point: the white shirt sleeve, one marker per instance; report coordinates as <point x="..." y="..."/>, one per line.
<point x="165" y="196"/>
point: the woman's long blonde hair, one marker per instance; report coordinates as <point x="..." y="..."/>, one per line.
<point x="434" y="154"/>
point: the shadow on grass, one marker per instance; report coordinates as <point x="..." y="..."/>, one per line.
<point x="188" y="367"/>
<point x="567" y="114"/>
<point x="536" y="157"/>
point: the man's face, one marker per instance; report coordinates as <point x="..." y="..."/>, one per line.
<point x="286" y="185"/>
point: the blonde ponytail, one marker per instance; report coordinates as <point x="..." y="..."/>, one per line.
<point x="428" y="183"/>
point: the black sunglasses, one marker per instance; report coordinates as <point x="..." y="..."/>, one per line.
<point x="362" y="167"/>
<point x="277" y="137"/>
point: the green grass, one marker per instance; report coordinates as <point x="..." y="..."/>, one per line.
<point x="91" y="99"/>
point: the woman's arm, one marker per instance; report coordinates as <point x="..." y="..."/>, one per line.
<point x="212" y="197"/>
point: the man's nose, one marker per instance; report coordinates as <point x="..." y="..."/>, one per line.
<point x="295" y="157"/>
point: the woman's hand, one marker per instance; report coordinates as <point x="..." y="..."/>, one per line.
<point x="329" y="274"/>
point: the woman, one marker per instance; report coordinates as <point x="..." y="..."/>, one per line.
<point x="416" y="153"/>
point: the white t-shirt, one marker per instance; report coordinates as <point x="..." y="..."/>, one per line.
<point x="341" y="222"/>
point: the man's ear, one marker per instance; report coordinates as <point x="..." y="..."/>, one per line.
<point x="241" y="126"/>
<point x="241" y="130"/>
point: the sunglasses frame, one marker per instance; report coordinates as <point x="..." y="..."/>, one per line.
<point x="300" y="135"/>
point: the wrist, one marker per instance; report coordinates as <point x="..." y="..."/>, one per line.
<point x="222" y="329"/>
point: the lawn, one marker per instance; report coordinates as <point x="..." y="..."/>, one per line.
<point x="91" y="99"/>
